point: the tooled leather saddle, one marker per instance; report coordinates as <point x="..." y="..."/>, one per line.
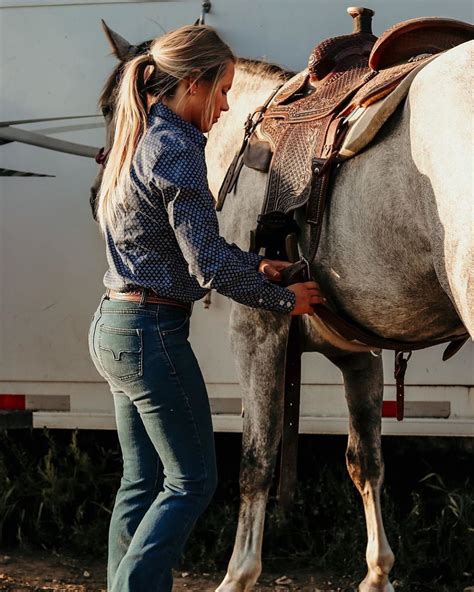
<point x="306" y="121"/>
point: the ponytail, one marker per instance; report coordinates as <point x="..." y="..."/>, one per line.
<point x="192" y="50"/>
<point x="130" y="123"/>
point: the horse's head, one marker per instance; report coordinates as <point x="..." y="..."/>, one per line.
<point x="123" y="51"/>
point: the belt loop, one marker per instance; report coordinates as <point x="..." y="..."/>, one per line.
<point x="143" y="297"/>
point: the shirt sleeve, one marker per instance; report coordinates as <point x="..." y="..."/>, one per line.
<point x="180" y="177"/>
<point x="247" y="257"/>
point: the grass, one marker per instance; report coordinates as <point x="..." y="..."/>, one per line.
<point x="57" y="491"/>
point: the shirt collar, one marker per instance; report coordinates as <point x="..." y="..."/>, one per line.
<point x="159" y="110"/>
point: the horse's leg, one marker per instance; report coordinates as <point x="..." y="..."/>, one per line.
<point x="259" y="342"/>
<point x="363" y="380"/>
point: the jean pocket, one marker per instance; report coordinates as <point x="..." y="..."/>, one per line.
<point x="121" y="352"/>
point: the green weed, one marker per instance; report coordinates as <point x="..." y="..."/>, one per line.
<point x="53" y="494"/>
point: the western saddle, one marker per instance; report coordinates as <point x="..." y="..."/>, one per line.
<point x="298" y="138"/>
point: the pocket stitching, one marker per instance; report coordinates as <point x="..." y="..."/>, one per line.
<point x="176" y="329"/>
<point x="119" y="331"/>
<point x="168" y="357"/>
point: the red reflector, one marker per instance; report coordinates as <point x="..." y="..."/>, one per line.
<point x="389" y="409"/>
<point x="16" y="402"/>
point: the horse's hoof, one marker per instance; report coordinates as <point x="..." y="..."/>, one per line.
<point x="229" y="585"/>
<point x="368" y="585"/>
<point x="241" y="577"/>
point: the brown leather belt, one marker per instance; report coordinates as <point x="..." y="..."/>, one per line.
<point x="149" y="298"/>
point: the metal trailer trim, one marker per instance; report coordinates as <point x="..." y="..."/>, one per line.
<point x="308" y="425"/>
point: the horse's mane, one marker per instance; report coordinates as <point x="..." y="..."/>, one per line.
<point x="264" y="69"/>
<point x="110" y="85"/>
<point x="251" y="67"/>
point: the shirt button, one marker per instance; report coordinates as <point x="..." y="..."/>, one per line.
<point x="282" y="302"/>
<point x="260" y="300"/>
<point x="288" y="304"/>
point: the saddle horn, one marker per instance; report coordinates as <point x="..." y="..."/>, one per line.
<point x="362" y="22"/>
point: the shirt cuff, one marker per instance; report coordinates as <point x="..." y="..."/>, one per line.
<point x="274" y="297"/>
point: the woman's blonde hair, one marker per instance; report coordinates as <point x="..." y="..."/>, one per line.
<point x="190" y="51"/>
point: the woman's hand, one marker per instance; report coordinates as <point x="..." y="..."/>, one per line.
<point x="307" y="294"/>
<point x="272" y="268"/>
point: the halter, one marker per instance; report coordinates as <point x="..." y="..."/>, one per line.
<point x="102" y="156"/>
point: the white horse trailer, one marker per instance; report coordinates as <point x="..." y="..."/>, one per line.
<point x="54" y="60"/>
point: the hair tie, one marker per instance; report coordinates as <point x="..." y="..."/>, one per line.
<point x="151" y="59"/>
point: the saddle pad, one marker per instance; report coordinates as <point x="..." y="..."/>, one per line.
<point x="365" y="122"/>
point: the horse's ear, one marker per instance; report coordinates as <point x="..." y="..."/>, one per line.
<point x="121" y="48"/>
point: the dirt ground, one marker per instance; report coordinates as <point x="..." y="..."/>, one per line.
<point x="28" y="572"/>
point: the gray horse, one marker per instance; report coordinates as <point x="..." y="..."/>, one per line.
<point x="395" y="256"/>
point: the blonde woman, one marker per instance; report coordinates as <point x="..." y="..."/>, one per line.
<point x="164" y="251"/>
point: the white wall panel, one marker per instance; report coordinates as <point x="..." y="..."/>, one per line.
<point x="54" y="60"/>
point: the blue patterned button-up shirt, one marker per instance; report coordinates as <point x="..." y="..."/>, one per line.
<point x="167" y="237"/>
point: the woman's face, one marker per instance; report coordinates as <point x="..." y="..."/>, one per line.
<point x="198" y="100"/>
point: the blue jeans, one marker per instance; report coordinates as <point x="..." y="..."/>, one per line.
<point x="165" y="433"/>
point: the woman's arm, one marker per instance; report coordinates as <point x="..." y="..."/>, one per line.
<point x="212" y="261"/>
<point x="180" y="179"/>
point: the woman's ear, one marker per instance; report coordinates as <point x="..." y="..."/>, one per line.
<point x="192" y="82"/>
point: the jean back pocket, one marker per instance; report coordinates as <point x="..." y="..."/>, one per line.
<point x="121" y="352"/>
